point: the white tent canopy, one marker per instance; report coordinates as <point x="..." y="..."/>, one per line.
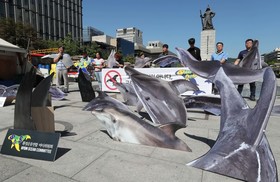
<point x="6" y="47"/>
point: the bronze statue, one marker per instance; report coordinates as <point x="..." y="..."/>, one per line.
<point x="206" y="19"/>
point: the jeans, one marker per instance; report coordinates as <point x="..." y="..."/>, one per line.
<point x="98" y="76"/>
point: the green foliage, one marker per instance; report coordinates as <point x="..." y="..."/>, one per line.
<point x="17" y="33"/>
<point x="129" y="58"/>
<point x="271" y="62"/>
<point x="93" y="48"/>
<point x="72" y="47"/>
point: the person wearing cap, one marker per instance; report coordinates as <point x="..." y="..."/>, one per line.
<point x="219" y="55"/>
<point x="195" y="51"/>
<point x="61" y="70"/>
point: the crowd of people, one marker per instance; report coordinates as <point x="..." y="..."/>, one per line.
<point x="98" y="63"/>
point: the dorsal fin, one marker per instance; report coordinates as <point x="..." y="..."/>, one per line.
<point x="171" y="128"/>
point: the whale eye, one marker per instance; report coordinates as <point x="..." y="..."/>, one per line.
<point x="12" y="136"/>
<point x="147" y="98"/>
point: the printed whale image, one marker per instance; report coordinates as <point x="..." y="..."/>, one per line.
<point x="158" y="98"/>
<point x="124" y="126"/>
<point x="248" y="155"/>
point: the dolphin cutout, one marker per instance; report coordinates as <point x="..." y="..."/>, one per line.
<point x="158" y="98"/>
<point x="253" y="60"/>
<point x="22" y="114"/>
<point x="104" y="99"/>
<point x="141" y="62"/>
<point x="208" y="69"/>
<point x="57" y="93"/>
<point x="8" y="91"/>
<point x="26" y="99"/>
<point x="124" y="126"/>
<point x="166" y="60"/>
<point x="40" y="95"/>
<point x="127" y="91"/>
<point x="206" y="103"/>
<point x="276" y="110"/>
<point x="85" y="86"/>
<point x="130" y="97"/>
<point x="241" y="150"/>
<point x="111" y="59"/>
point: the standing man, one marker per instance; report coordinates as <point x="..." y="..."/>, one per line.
<point x="219" y="55"/>
<point x="164" y="50"/>
<point x="61" y="69"/>
<point x="195" y="51"/>
<point x="241" y="55"/>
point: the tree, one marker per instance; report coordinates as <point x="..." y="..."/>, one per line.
<point x="129" y="58"/>
<point x="17" y="33"/>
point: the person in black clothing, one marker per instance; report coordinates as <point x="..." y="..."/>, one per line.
<point x="164" y="50"/>
<point x="195" y="51"/>
<point x="241" y="55"/>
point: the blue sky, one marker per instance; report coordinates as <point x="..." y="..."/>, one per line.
<point x="174" y="22"/>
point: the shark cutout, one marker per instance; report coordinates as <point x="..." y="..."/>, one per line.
<point x="206" y="103"/>
<point x="85" y="86"/>
<point x="241" y="150"/>
<point x="124" y="126"/>
<point x="158" y="98"/>
<point x="25" y="99"/>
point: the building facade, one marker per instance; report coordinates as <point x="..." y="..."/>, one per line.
<point x="89" y="32"/>
<point x="131" y="34"/>
<point x="52" y="19"/>
<point x="274" y="55"/>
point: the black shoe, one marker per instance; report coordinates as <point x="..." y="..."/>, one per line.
<point x="252" y="98"/>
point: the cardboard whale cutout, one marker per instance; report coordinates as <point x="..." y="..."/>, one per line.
<point x="158" y="98"/>
<point x="241" y="150"/>
<point x="124" y="126"/>
<point x="248" y="155"/>
<point x="27" y="98"/>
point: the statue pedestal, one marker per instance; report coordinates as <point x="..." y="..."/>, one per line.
<point x="207" y="44"/>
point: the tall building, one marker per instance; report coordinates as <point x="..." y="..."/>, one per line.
<point x="88" y="32"/>
<point x="131" y="34"/>
<point x="52" y="19"/>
